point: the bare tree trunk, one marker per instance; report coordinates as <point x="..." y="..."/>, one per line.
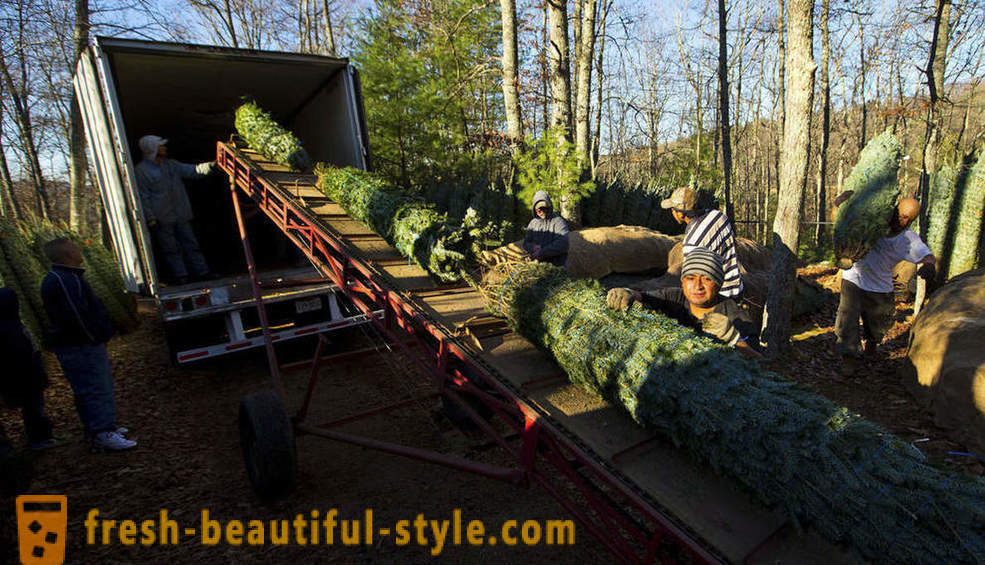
<point x="936" y="66"/>
<point x="329" y="32"/>
<point x="862" y="72"/>
<point x="559" y="66"/>
<point x="583" y="93"/>
<point x="597" y="135"/>
<point x="544" y="70"/>
<point x="793" y="176"/>
<point x="723" y="107"/>
<point x="22" y="118"/>
<point x="10" y="206"/>
<point x="782" y="67"/>
<point x="511" y="91"/>
<point x="822" y="168"/>
<point x="76" y="137"/>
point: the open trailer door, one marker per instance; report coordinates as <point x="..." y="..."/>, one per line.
<point x="114" y="171"/>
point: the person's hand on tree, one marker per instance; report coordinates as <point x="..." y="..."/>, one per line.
<point x="622" y="298"/>
<point x="152" y="223"/>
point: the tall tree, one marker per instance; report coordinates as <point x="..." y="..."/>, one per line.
<point x="25" y="127"/>
<point x="822" y="169"/>
<point x="329" y="32"/>
<point x="723" y="108"/>
<point x="583" y="62"/>
<point x="936" y="66"/>
<point x="559" y="66"/>
<point x="511" y="84"/>
<point x="793" y="174"/>
<point x="600" y="84"/>
<point x="77" y="174"/>
<point x="8" y="202"/>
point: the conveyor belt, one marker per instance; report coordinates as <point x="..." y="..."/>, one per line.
<point x="728" y="521"/>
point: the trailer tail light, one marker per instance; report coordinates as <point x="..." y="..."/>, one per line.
<point x="201" y="300"/>
<point x="171" y="305"/>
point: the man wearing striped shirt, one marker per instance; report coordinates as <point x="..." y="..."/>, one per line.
<point x="709" y="229"/>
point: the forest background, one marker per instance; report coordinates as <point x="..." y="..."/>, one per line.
<point x="625" y="99"/>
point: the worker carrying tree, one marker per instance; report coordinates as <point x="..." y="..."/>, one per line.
<point x="709" y="229"/>
<point x="697" y="303"/>
<point x="546" y="238"/>
<point x="167" y="208"/>
<point x="867" y="287"/>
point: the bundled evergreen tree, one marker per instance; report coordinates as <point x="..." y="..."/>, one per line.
<point x="968" y="223"/>
<point x="270" y="139"/>
<point x="865" y="217"/>
<point x="415" y="228"/>
<point x="847" y="477"/>
<point x="21" y="272"/>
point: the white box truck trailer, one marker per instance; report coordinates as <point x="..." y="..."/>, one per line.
<point x="188" y="94"/>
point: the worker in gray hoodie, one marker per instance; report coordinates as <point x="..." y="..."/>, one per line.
<point x="167" y="208"/>
<point x="547" y="233"/>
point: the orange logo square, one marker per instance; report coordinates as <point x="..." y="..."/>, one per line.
<point x="42" y="520"/>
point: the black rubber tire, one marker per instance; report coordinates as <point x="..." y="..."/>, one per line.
<point x="266" y="436"/>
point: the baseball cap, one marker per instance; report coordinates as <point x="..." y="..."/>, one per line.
<point x="683" y="198"/>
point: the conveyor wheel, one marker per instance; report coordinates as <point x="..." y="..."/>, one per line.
<point x="267" y="438"/>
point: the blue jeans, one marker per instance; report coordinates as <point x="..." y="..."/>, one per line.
<point x="177" y="239"/>
<point x="88" y="371"/>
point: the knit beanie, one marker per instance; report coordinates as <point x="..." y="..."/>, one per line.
<point x="705" y="262"/>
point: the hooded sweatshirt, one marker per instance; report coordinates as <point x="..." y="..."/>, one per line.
<point x="162" y="191"/>
<point x="550" y="233"/>
<point x="23" y="372"/>
<point x="76" y="314"/>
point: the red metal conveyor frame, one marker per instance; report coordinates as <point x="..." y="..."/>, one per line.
<point x="625" y="519"/>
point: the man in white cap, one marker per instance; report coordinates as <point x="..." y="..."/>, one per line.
<point x="167" y="209"/>
<point x="697" y="303"/>
<point x="709" y="229"/>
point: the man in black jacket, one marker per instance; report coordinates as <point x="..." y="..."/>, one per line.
<point x="547" y="233"/>
<point x="78" y="332"/>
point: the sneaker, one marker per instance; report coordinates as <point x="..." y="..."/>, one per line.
<point x="48" y="443"/>
<point x="112" y="441"/>
<point x="123" y="430"/>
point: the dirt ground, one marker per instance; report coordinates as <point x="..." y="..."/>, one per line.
<point x="189" y="456"/>
<point x="876" y="390"/>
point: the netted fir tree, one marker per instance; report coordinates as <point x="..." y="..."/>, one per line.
<point x="822" y="465"/>
<point x="865" y="217"/>
<point x="267" y="137"/>
<point x="415" y="228"/>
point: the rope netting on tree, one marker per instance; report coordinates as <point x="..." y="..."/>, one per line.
<point x="828" y="468"/>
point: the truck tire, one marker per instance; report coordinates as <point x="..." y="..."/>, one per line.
<point x="266" y="436"/>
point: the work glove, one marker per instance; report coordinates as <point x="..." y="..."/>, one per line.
<point x="152" y="223"/>
<point x="927" y="271"/>
<point x="621" y="298"/>
<point x="719" y="326"/>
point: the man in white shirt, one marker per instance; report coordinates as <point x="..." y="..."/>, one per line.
<point x="867" y="288"/>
